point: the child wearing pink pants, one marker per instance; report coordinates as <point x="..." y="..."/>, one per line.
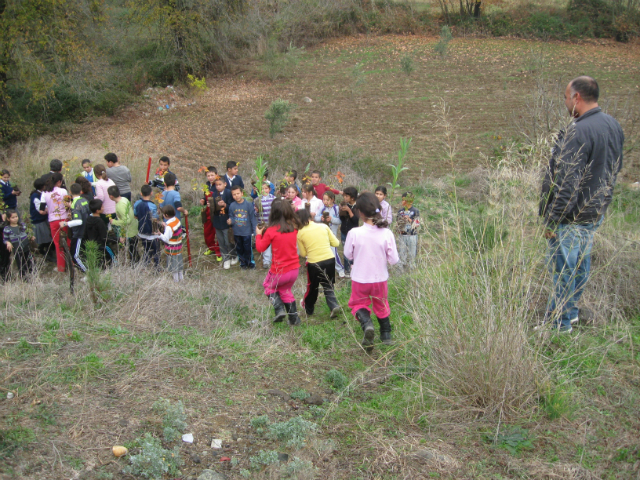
<point x="281" y="235"/>
<point x="371" y="247"/>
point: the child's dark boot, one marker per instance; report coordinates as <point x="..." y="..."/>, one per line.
<point x="278" y="306"/>
<point x="292" y="310"/>
<point x="364" y="317"/>
<point x="385" y="331"/>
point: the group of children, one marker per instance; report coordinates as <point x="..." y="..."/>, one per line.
<point x="295" y="220"/>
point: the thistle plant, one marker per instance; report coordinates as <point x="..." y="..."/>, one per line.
<point x="399" y="168"/>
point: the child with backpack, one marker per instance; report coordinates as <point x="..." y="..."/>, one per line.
<point x="145" y="211"/>
<point x="172" y="237"/>
<point x="79" y="214"/>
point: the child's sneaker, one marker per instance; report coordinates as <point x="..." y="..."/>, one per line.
<point x="227" y="264"/>
<point x="234" y="260"/>
<point x="341" y="273"/>
<point x="219" y="258"/>
<point x="209" y="252"/>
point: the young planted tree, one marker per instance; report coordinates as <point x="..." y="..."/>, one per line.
<point x="259" y="170"/>
<point x="399" y="168"/>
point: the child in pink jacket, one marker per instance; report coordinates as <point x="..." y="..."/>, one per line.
<point x="371" y="247"/>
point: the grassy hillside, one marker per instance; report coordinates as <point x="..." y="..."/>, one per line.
<point x="469" y="390"/>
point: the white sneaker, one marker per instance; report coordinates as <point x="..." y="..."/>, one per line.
<point x="341" y="273"/>
<point x="234" y="260"/>
<point x="574" y="320"/>
<point x="227" y="264"/>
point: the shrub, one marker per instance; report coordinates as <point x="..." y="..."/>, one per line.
<point x="278" y="115"/>
<point x="263" y="459"/>
<point x="260" y="424"/>
<point x="337" y="379"/>
<point x="406" y="63"/>
<point x="173" y="418"/>
<point x="297" y="468"/>
<point x="280" y="64"/>
<point x="293" y="432"/>
<point x="154" y="461"/>
<point x="442" y="47"/>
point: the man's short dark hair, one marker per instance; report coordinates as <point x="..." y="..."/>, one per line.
<point x="351" y="191"/>
<point x="55" y="165"/>
<point x="170" y="179"/>
<point x="95" y="205"/>
<point x="111" y="157"/>
<point x="75" y="189"/>
<point x="236" y="187"/>
<point x="587" y="87"/>
<point x="146" y="190"/>
<point x="113" y="191"/>
<point x="231" y="164"/>
<point x="165" y="160"/>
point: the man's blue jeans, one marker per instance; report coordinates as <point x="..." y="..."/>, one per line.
<point x="569" y="260"/>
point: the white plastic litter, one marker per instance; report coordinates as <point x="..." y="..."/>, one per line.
<point x="216" y="443"/>
<point x="187" y="438"/>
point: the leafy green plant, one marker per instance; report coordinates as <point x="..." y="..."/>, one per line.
<point x="278" y="115"/>
<point x="396" y="170"/>
<point x="514" y="439"/>
<point x="264" y="458"/>
<point x="407" y="65"/>
<point x="173" y="418"/>
<point x="259" y="171"/>
<point x="336" y="379"/>
<point x="294" y="431"/>
<point x="153" y="461"/>
<point x="442" y="47"/>
<point x="199" y="84"/>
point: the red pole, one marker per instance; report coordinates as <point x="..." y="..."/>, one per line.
<point x="186" y="226"/>
<point x="148" y="170"/>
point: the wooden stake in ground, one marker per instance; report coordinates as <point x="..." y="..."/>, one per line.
<point x="148" y="170"/>
<point x="186" y="227"/>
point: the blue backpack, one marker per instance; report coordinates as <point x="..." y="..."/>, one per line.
<point x="145" y="218"/>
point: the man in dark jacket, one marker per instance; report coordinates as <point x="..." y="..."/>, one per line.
<point x="576" y="191"/>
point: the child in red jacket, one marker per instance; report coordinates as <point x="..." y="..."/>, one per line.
<point x="282" y="235"/>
